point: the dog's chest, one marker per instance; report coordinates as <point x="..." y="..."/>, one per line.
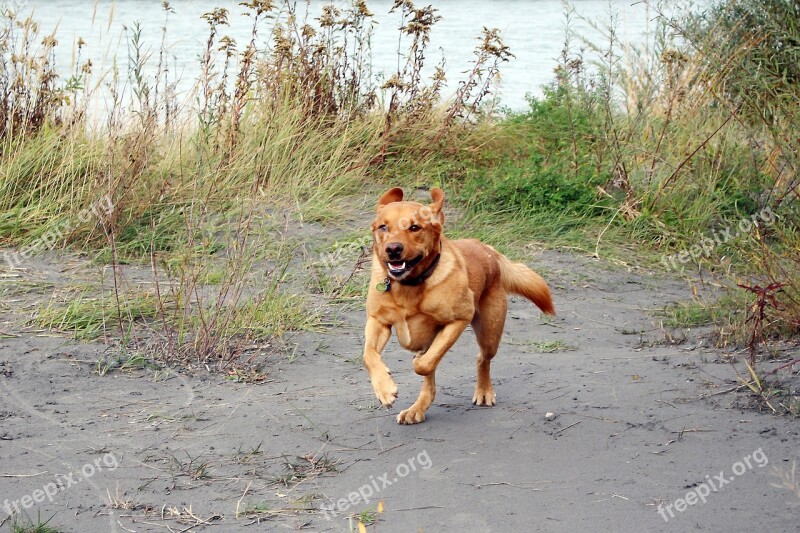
<point x="415" y="332"/>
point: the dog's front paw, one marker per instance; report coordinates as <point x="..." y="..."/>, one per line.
<point x="412" y="415"/>
<point x="484" y="396"/>
<point x="385" y="388"/>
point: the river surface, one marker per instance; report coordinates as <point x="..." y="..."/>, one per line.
<point x="533" y="29"/>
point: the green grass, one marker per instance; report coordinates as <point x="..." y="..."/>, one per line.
<point x="514" y="232"/>
<point x="20" y="524"/>
<point x="723" y="311"/>
<point x="276" y="314"/>
<point x="265" y="510"/>
<point x="545" y="346"/>
<point x="125" y="362"/>
<point x="692" y="315"/>
<point x="552" y="346"/>
<point x="88" y="317"/>
<point x="367" y="516"/>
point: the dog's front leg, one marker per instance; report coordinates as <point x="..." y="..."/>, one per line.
<point x="377" y="335"/>
<point x="425" y="365"/>
<point x="416" y="413"/>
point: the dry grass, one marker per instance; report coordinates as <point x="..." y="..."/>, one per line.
<point x="205" y="191"/>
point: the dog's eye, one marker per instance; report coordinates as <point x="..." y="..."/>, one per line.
<point x="414" y="227"/>
<point x="383" y="227"/>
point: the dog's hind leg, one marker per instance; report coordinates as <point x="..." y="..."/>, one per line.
<point x="488" y="326"/>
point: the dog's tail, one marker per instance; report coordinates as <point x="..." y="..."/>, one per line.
<point x="519" y="279"/>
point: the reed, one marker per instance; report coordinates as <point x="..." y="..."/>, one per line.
<point x="199" y="191"/>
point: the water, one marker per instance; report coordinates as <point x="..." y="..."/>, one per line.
<point x="533" y="29"/>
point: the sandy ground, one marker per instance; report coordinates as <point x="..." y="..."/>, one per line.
<point x="645" y="436"/>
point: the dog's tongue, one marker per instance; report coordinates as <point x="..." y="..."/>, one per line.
<point x="397" y="266"/>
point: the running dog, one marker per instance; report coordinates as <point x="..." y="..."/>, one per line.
<point x="430" y="289"/>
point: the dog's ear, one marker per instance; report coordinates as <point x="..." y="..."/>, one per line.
<point x="436" y="207"/>
<point x="392" y="195"/>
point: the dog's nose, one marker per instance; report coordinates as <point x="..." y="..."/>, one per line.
<point x="394" y="250"/>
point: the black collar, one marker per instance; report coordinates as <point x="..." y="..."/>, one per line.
<point x="419" y="280"/>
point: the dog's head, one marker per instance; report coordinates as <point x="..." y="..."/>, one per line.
<point x="407" y="234"/>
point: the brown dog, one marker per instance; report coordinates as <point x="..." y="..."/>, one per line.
<point x="430" y="289"/>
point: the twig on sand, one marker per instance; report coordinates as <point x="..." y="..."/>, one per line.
<point x="421" y="508"/>
<point x="23" y="475"/>
<point x="666" y="402"/>
<point x="187" y="528"/>
<point x="392" y="448"/>
<point x="125" y="528"/>
<point x="506" y="483"/>
<point x="726" y="391"/>
<point x="693" y="430"/>
<point x="239" y="503"/>
<point x="567" y="427"/>
<point x="787" y="365"/>
<point x="522" y="426"/>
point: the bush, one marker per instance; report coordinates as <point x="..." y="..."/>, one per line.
<point x="756" y="45"/>
<point x="548" y="161"/>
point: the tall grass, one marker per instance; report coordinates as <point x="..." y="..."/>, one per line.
<point x="706" y="145"/>
<point x="202" y="189"/>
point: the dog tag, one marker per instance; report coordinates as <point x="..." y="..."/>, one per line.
<point x="383" y="286"/>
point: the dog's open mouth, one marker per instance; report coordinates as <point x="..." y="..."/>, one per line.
<point x="397" y="269"/>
